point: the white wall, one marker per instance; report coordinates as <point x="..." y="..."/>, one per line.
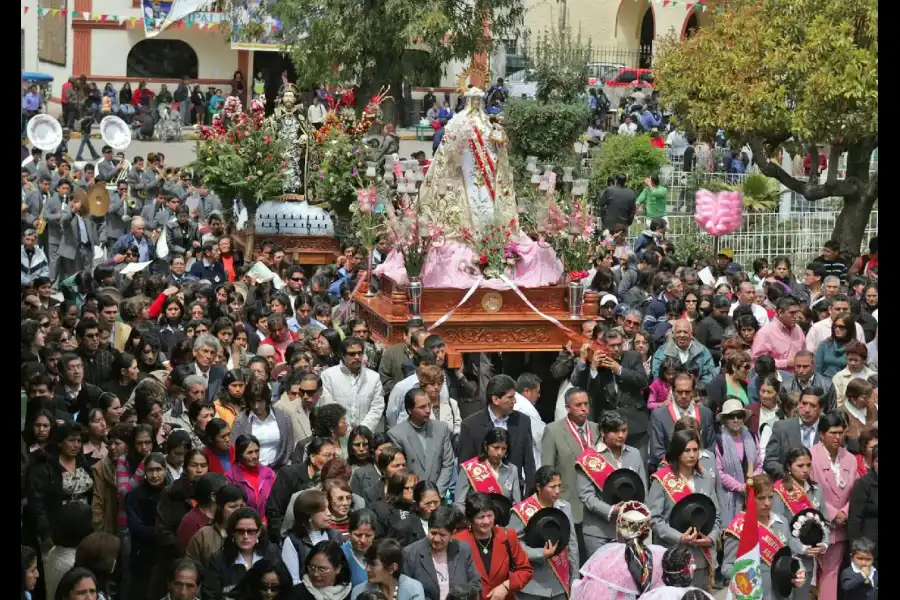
<point x="30" y="28"/>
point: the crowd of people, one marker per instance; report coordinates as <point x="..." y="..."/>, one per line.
<point x="193" y="427"/>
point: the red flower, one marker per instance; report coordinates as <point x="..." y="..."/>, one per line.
<point x="268" y="140"/>
<point x="483" y="259"/>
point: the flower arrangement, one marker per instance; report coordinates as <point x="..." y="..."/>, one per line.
<point x="408" y="237"/>
<point x="367" y="215"/>
<point x="495" y="251"/>
<point x="237" y="155"/>
<point x="568" y="227"/>
<point x="341" y="117"/>
<point x="340" y="160"/>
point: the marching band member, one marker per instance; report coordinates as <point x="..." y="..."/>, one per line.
<point x="107" y="167"/>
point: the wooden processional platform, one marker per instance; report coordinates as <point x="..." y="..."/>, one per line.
<point x="490" y="321"/>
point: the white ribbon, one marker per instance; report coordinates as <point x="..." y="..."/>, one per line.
<point x="465" y="299"/>
<point x="519" y="293"/>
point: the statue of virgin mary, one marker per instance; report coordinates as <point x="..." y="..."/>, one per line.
<point x="469" y="185"/>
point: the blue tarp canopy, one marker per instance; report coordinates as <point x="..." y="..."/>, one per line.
<point x="36" y="77"/>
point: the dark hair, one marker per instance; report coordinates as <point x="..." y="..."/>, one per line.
<point x="186" y="564"/>
<point x="445" y="517"/>
<point x="680" y="440"/>
<point x="70" y="579"/>
<point x="98" y="552"/>
<point x="387" y="551"/>
<point x="72" y="524"/>
<point x="468" y="591"/>
<point x="335" y="556"/>
<point x="229" y="547"/>
<point x="360" y="517"/>
<point x="497" y="435"/>
<point x="387" y="457"/>
<point x="325" y="419"/>
<point x="306" y="504"/>
<point x="251" y="585"/>
<point x="316" y="445"/>
<point x="862" y="544"/>
<point x="207" y="488"/>
<point x="225" y="494"/>
<point x="830" y="420"/>
<point x="242" y="443"/>
<point x="29" y="556"/>
<point x="396" y="484"/>
<point x="424" y="486"/>
<point x="213" y="429"/>
<point x="498" y="386"/>
<point x="792" y="455"/>
<point x="675" y="562"/>
<point x="545" y="474"/>
<point x="409" y="400"/>
<point x="360" y="431"/>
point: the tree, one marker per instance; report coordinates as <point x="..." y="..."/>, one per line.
<point x="561" y="63"/>
<point x="781" y="75"/>
<point x="369" y="42"/>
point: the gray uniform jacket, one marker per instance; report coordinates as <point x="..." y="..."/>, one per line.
<point x="559" y="449"/>
<point x="508" y="480"/>
<point x="136" y="181"/>
<point x="780" y="508"/>
<point x="544" y="582"/>
<point x="434" y="463"/>
<point x="786" y="434"/>
<point x="779" y="526"/>
<point x="662" y="426"/>
<point x="419" y="564"/>
<point x="156" y="217"/>
<point x="68" y="247"/>
<point x="34" y="202"/>
<point x="598" y="529"/>
<point x="208" y="204"/>
<point x="107" y="169"/>
<point x="115" y="225"/>
<point x="53" y="214"/>
<point x="661" y="505"/>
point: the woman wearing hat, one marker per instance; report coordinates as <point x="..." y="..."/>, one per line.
<point x="794" y="494"/>
<point x="554" y="568"/>
<point x="737" y="458"/>
<point x="677" y="487"/>
<point x="627" y="568"/>
<point x="489" y="472"/>
<point x="774" y="534"/>
<point x="599" y="525"/>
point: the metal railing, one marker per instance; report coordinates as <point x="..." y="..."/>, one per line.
<point x="799" y="235"/>
<point x="603" y="61"/>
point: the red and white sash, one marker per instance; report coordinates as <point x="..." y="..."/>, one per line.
<point x="696" y="415"/>
<point x="769" y="543"/>
<point x="677" y="489"/>
<point x="597" y="468"/>
<point x="795" y="500"/>
<point x="481" y="477"/>
<point x="573" y="429"/>
<point x="559" y="564"/>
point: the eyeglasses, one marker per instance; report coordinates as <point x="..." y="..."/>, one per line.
<point x="248" y="532"/>
<point x="318" y="569"/>
<point x="354" y="353"/>
<point x="300" y="279"/>
<point x="362" y="444"/>
<point x="735" y="417"/>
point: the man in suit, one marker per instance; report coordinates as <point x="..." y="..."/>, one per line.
<point x="300" y="397"/>
<point x="805" y="376"/>
<point x="616" y="381"/>
<point x="617" y="203"/>
<point x="158" y="213"/>
<point x="182" y="234"/>
<point x="206" y="348"/>
<point x="209" y="203"/>
<point x="560" y="447"/>
<point x="74" y="394"/>
<point x="425" y="442"/>
<point x="802" y="430"/>
<point x="662" y="420"/>
<point x="52" y="209"/>
<point x="418" y="558"/>
<point x="116" y="226"/>
<point x="106" y="168"/>
<point x="501" y="400"/>
<point x="79" y="236"/>
<point x="109" y="313"/>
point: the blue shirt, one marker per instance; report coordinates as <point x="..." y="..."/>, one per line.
<point x="143" y="249"/>
<point x="648" y="121"/>
<point x="31" y="102"/>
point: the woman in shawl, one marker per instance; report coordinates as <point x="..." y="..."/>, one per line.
<point x="627" y="569"/>
<point x="737" y="458"/>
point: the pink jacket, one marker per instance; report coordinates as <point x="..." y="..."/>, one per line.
<point x="837" y="498"/>
<point x="659" y="394"/>
<point x="256" y="499"/>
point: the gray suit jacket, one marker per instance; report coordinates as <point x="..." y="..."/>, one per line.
<point x="785" y="435"/>
<point x="208" y="204"/>
<point x="68" y="247"/>
<point x="544" y="582"/>
<point x="53" y="214"/>
<point x="241" y="425"/>
<point x="559" y="449"/>
<point x="596" y="512"/>
<point x="661" y="505"/>
<point x="115" y="225"/>
<point x="107" y="169"/>
<point x="419" y="564"/>
<point x="435" y="465"/>
<point x="662" y="426"/>
<point x="730" y="542"/>
<point x="34" y="202"/>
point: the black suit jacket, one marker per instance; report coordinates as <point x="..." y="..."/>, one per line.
<point x="367" y="484"/>
<point x="617" y="205"/>
<point x="87" y="398"/>
<point x="862" y="518"/>
<point x="623" y="392"/>
<point x="520" y="452"/>
<point x="785" y="435"/>
<point x="216" y="375"/>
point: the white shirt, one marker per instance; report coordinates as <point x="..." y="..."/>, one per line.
<point x="201" y="373"/>
<point x="821" y="331"/>
<point x="524" y="406"/>
<point x="762" y="317"/>
<point x="871" y="574"/>
<point x="498" y="422"/>
<point x="316" y="114"/>
<point x="627" y="128"/>
<point x="269" y="436"/>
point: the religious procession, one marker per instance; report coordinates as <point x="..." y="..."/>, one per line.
<point x="575" y="352"/>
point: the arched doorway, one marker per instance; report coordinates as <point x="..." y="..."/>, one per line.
<point x="162" y="59"/>
<point x="648" y="30"/>
<point x="691" y="26"/>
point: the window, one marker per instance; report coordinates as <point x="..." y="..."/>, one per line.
<point x="162" y="59"/>
<point x="647" y="76"/>
<point x="626" y="76"/>
<point x="52" y="33"/>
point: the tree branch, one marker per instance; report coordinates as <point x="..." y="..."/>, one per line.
<point x="809" y="189"/>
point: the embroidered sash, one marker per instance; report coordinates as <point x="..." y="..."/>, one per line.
<point x="677" y="489"/>
<point x="587" y="434"/>
<point x="484" y="162"/>
<point x="597" y="468"/>
<point x="795" y="500"/>
<point x="696" y="415"/>
<point x="559" y="564"/>
<point x="769" y="542"/>
<point x="480" y="476"/>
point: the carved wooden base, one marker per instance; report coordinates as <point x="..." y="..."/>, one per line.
<point x="301" y="249"/>
<point x="491" y="321"/>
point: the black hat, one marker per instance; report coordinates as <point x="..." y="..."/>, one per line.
<point x="784" y="569"/>
<point x="623" y="485"/>
<point x="694" y="510"/>
<point x="548" y="525"/>
<point x="502" y="509"/>
<point x="808" y="526"/>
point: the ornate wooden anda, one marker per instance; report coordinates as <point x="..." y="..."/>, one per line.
<point x="491" y="320"/>
<point x="301" y="249"/>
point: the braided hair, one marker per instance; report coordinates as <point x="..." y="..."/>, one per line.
<point x="678" y="566"/>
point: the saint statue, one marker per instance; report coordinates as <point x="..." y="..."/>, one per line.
<point x="472" y="167"/>
<point x="291" y="126"/>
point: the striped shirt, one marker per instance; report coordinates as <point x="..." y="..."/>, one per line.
<point x="124" y="484"/>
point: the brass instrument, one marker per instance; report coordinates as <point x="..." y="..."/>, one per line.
<point x="40" y="224"/>
<point x="97" y="200"/>
<point x="172" y="173"/>
<point x="82" y="196"/>
<point x="122" y="173"/>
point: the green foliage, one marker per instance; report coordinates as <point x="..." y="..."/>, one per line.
<point x="546" y="130"/>
<point x="241" y="160"/>
<point x="366" y="42"/>
<point x="560" y="63"/>
<point x="761" y="193"/>
<point x="341" y="158"/>
<point x="631" y="155"/>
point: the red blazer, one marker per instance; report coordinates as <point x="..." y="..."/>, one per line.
<point x="518" y="579"/>
<point x="215" y="465"/>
